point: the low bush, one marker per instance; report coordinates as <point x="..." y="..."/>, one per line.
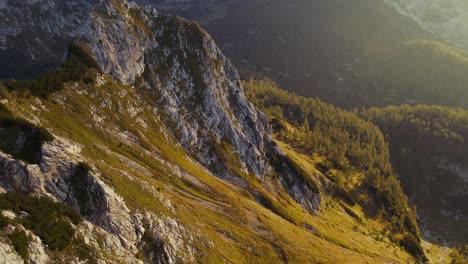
<point x="411" y="244"/>
<point x="85" y="252"/>
<point x="3" y="221"/>
<point x="20" y="241"/>
<point x="49" y="220"/>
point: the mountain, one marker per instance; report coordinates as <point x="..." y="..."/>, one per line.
<point x="446" y="19"/>
<point x="126" y="136"/>
<point x="346" y="53"/>
<point x="371" y="54"/>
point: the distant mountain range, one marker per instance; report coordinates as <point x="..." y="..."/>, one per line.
<point x="447" y="19"/>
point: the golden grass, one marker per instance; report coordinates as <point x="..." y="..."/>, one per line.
<point x="231" y="225"/>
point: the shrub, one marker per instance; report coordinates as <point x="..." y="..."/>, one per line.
<point x="47" y="219"/>
<point x="277" y="208"/>
<point x="84" y="251"/>
<point x="3" y="221"/>
<point x="57" y="234"/>
<point x="411" y="244"/>
<point x="20" y="241"/>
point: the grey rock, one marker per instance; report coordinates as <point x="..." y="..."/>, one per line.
<point x="106" y="213"/>
<point x="9" y="255"/>
<point x="9" y="215"/>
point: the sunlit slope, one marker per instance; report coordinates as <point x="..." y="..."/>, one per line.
<point x="433" y="175"/>
<point x="357" y="165"/>
<point x="141" y="161"/>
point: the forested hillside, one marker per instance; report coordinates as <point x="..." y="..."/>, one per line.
<point x="429" y="149"/>
<point x="416" y="71"/>
<point x="358" y="157"/>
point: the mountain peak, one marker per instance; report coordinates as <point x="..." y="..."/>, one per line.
<point x="172" y="63"/>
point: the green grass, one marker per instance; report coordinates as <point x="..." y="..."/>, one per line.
<point x="240" y="229"/>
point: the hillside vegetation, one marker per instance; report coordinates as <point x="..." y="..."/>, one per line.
<point x="146" y="133"/>
<point x="414" y="71"/>
<point x="151" y="171"/>
<point x="428" y="146"/>
<point x="357" y="156"/>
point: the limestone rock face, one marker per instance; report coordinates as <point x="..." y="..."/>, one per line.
<point x="106" y="213"/>
<point x="202" y="97"/>
<point x="125" y="39"/>
<point x="197" y="86"/>
<point x="115" y="41"/>
<point x="35" y="33"/>
<point x="178" y="72"/>
<point x="9" y="255"/>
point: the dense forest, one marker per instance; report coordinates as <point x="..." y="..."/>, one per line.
<point x="413" y="72"/>
<point x="429" y="146"/>
<point x="358" y="159"/>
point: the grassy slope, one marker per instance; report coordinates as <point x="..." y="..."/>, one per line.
<point x="141" y="170"/>
<point x="291" y="133"/>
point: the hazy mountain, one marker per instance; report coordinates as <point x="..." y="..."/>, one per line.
<point x="445" y="18"/>
<point x="347" y="53"/>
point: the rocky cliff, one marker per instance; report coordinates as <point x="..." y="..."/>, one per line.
<point x="160" y="80"/>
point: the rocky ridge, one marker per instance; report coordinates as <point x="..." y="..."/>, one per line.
<point x="178" y="72"/>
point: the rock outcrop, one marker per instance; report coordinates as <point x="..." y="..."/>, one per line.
<point x="9" y="255"/>
<point x="106" y="213"/>
<point x="198" y="87"/>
